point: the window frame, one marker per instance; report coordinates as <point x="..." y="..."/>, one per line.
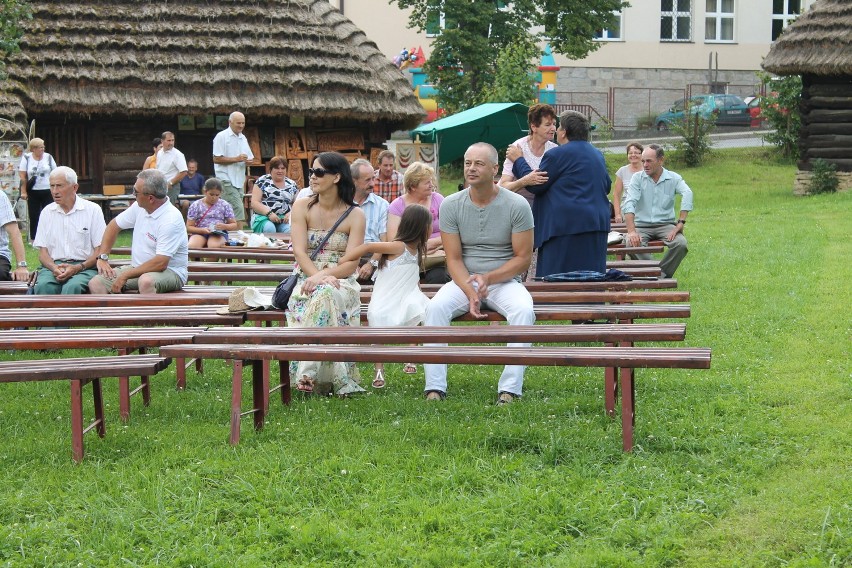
<point x="719" y="16"/>
<point x="674" y="14"/>
<point x="785" y="18"/>
<point x="605" y="33"/>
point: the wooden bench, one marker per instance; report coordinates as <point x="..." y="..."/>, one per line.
<point x="624" y="358"/>
<point x="126" y="341"/>
<point x="120" y="316"/>
<point x="80" y="372"/>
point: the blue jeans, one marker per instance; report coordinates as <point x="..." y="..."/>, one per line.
<point x="270" y="227"/>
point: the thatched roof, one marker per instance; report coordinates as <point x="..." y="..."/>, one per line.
<point x="267" y="58"/>
<point x="819" y="42"/>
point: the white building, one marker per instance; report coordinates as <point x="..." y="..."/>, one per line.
<point x="661" y="51"/>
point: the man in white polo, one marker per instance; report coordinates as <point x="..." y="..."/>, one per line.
<point x="69" y="233"/>
<point x="159" y="252"/>
<point x="231" y="151"/>
<point x="172" y="164"/>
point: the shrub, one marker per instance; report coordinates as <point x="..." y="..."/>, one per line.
<point x="780" y="109"/>
<point x="823" y="177"/>
<point x="695" y="143"/>
<point x="645" y="122"/>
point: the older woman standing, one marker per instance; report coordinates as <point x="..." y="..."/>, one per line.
<point x="271" y="198"/>
<point x="623" y="177"/>
<point x="326" y="293"/>
<point x="419" y="189"/>
<point x="34" y="170"/>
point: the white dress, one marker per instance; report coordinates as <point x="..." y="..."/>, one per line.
<point x="397" y="299"/>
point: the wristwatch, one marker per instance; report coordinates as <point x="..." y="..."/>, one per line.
<point x="103" y="256"/>
<point x="682" y="221"/>
<point x="374" y="263"/>
<point x="22" y="264"/>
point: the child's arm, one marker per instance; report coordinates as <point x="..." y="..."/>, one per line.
<point x="392" y="248"/>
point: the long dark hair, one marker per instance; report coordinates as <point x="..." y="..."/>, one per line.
<point x="415" y="226"/>
<point x="335" y="163"/>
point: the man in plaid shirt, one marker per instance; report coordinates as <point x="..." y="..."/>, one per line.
<point x="387" y="181"/>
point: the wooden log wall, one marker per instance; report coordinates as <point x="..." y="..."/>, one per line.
<point x="826" y="132"/>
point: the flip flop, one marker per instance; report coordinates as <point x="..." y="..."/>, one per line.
<point x="409" y="368"/>
<point x="305" y="385"/>
<point x="379" y="381"/>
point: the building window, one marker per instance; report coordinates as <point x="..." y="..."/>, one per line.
<point x="613" y="33"/>
<point x="784" y="12"/>
<point x="434" y="23"/>
<point x="676" y="20"/>
<point x="719" y="20"/>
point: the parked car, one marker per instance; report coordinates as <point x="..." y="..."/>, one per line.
<point x="725" y="109"/>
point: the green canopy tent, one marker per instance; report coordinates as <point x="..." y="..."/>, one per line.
<point x="499" y="124"/>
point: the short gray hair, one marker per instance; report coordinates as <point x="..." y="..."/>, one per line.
<point x="492" y="151"/>
<point x="355" y="167"/>
<point x="154" y="183"/>
<point x="70" y="175"/>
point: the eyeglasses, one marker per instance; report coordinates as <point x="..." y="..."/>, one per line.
<point x="317" y="172"/>
<point x="141" y="193"/>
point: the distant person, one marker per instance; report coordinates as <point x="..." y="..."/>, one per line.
<point x="159" y="254"/>
<point x="487" y="233"/>
<point x="68" y="236"/>
<point x="10" y="235"/>
<point x="231" y="151"/>
<point x="649" y="209"/>
<point x="209" y="219"/>
<point x="397" y="299"/>
<point x="376" y="212"/>
<point x="272" y="198"/>
<point x="388" y="181"/>
<point x="419" y="188"/>
<point x="623" y="177"/>
<point x="151" y="161"/>
<point x="191" y="184"/>
<point x="571" y="208"/>
<point x="172" y="164"/>
<point x="34" y="169"/>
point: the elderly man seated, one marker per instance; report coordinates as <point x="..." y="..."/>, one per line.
<point x="68" y="236"/>
<point x="159" y="253"/>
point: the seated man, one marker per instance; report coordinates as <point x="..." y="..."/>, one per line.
<point x="648" y="209"/>
<point x="487" y="232"/>
<point x="10" y="234"/>
<point x="159" y="251"/>
<point x="68" y="236"/>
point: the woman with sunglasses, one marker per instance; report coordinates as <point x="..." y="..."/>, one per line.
<point x="327" y="293"/>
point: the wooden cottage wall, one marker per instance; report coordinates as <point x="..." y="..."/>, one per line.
<point x="826" y="131"/>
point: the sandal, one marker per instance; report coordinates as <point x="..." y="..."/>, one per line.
<point x="379" y="381"/>
<point x="409" y="368"/>
<point x="305" y="385"/>
<point x="435" y="395"/>
<point x="506" y="397"/>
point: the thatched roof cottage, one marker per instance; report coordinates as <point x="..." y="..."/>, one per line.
<point x="818" y="46"/>
<point x="101" y="79"/>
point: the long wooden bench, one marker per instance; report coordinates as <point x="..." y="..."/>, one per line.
<point x="81" y="371"/>
<point x="126" y="341"/>
<point x="129" y="316"/>
<point x="624" y="358"/>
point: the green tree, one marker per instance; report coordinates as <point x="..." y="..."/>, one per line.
<point x="473" y="33"/>
<point x="513" y="80"/>
<point x="780" y="109"/>
<point x="13" y="14"/>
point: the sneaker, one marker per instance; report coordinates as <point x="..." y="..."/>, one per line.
<point x="506" y="398"/>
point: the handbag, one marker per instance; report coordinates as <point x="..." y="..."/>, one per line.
<point x="285" y="288"/>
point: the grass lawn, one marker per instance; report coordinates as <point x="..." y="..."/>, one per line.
<point x="745" y="464"/>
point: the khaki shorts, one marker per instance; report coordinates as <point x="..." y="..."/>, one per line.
<point x="165" y="281"/>
<point x="234" y="196"/>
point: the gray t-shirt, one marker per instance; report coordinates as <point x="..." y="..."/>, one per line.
<point x="486" y="232"/>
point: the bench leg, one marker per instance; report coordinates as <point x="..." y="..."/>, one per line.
<point x="77" y="420"/>
<point x="145" y="385"/>
<point x="628" y="408"/>
<point x="180" y="372"/>
<point x="236" y="401"/>
<point x="260" y="391"/>
<point x="284" y="378"/>
<point x="98" y="396"/>
<point x="610" y="387"/>
<point x="124" y="393"/>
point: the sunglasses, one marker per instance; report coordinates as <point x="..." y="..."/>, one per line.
<point x="318" y="172"/>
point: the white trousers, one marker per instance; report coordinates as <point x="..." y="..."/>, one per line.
<point x="510" y="299"/>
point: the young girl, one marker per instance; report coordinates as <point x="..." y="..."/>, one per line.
<point x="209" y="219"/>
<point x="397" y="299"/>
